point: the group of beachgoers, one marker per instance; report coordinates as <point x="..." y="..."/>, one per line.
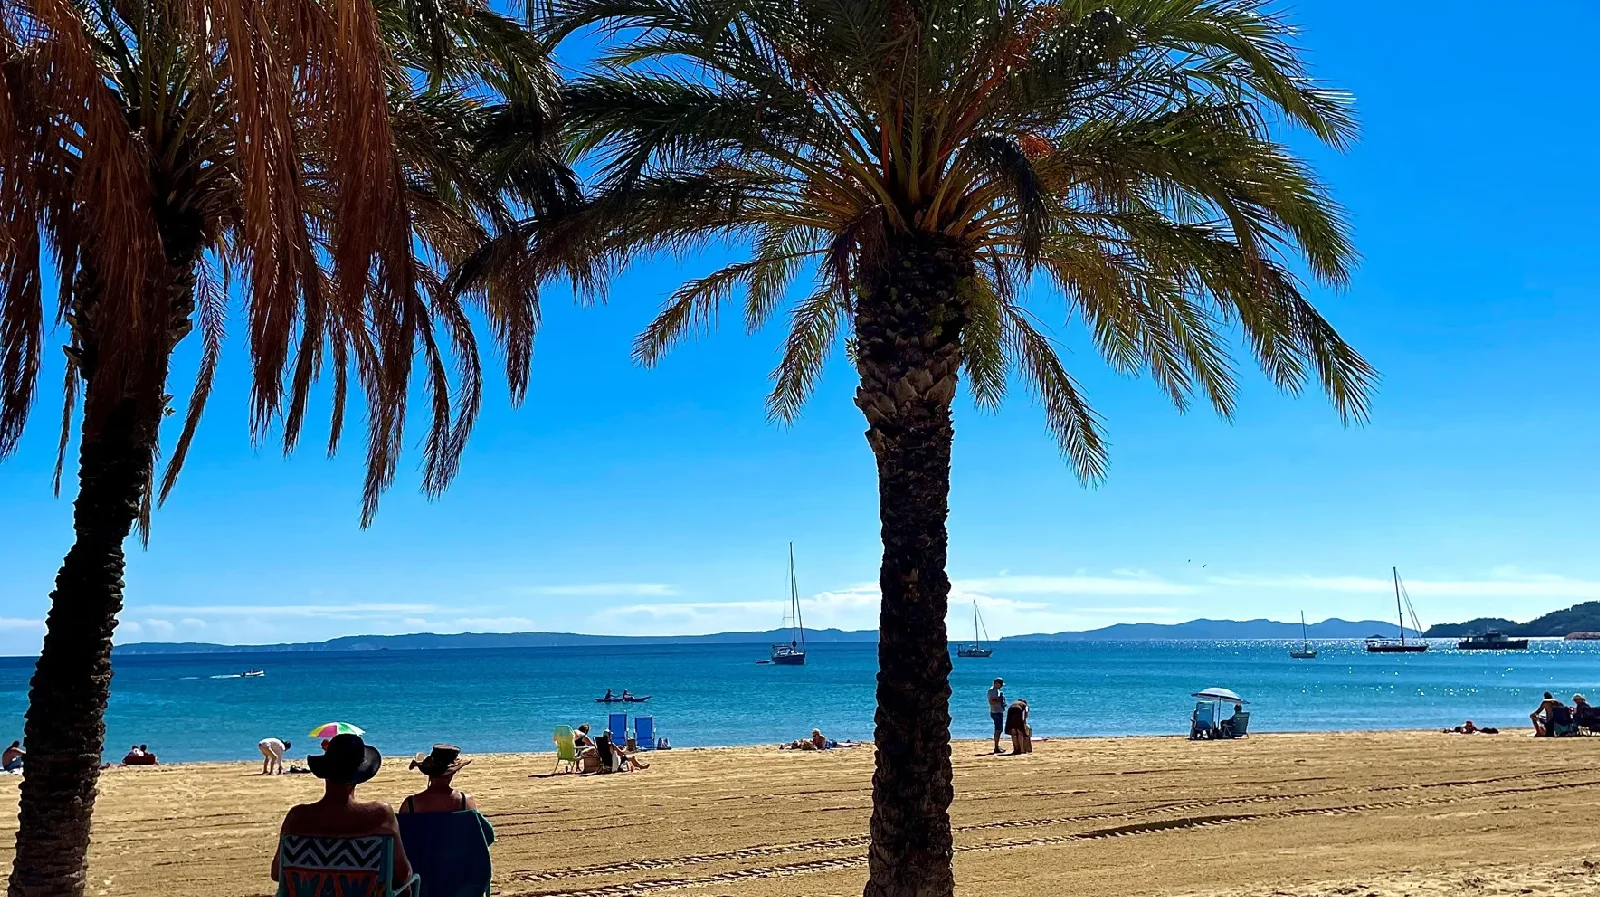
<point x="1010" y="719"/>
<point x="437" y="835"/>
<point x="600" y="754"/>
<point x="140" y="755"/>
<point x="1554" y="719"/>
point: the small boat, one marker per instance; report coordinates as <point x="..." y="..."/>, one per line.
<point x="976" y="649"/>
<point x="1492" y="641"/>
<point x="1305" y="651"/>
<point x="794" y="653"/>
<point x="628" y="699"/>
<point x="1381" y="645"/>
<point x="252" y="674"/>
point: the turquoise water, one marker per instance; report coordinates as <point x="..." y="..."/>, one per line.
<point x="508" y="700"/>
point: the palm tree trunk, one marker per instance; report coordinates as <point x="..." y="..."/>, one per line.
<point x="65" y="729"/>
<point x="908" y="352"/>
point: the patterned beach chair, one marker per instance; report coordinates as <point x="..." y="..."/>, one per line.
<point x="313" y="866"/>
<point x="566" y="751"/>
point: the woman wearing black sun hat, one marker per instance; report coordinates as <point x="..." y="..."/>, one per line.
<point x="346" y="763"/>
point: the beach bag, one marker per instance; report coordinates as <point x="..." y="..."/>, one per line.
<point x="450" y="851"/>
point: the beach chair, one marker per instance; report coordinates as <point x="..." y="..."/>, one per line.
<point x="1238" y="725"/>
<point x="644" y="730"/>
<point x="314" y="866"/>
<point x="1203" y="722"/>
<point x="617" y="725"/>
<point x="450" y="851"/>
<point x="566" y="751"/>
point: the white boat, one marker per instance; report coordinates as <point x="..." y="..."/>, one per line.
<point x="792" y="654"/>
<point x="1380" y="645"/>
<point x="1305" y="651"/>
<point x="976" y="649"/>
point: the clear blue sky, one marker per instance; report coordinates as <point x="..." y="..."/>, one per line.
<point x="631" y="501"/>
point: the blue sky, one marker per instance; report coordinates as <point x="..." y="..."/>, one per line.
<point x="631" y="501"/>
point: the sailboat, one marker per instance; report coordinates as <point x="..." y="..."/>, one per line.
<point x="1380" y="645"/>
<point x="794" y="653"/>
<point x="976" y="649"/>
<point x="1305" y="651"/>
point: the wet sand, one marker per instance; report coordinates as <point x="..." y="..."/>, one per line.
<point x="1357" y="814"/>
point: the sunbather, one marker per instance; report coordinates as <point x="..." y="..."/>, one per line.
<point x="446" y="838"/>
<point x="1542" y="716"/>
<point x="817" y="742"/>
<point x="612" y="757"/>
<point x="581" y="738"/>
<point x="12" y="760"/>
<point x="348" y="762"/>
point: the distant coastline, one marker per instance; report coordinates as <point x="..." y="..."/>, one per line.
<point x="1193" y="629"/>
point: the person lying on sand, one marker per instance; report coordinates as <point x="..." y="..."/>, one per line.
<point x="348" y="762"/>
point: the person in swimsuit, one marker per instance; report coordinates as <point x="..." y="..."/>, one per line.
<point x="272" y="751"/>
<point x="440" y="796"/>
<point x="13" y="757"/>
<point x="348" y="762"/>
<point x="1541" y="717"/>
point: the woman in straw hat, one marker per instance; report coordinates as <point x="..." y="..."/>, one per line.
<point x="440" y="796"/>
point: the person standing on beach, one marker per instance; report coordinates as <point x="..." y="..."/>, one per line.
<point x="997" y="710"/>
<point x="272" y="751"/>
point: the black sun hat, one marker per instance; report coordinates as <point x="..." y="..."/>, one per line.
<point x="347" y="760"/>
<point x="446" y="760"/>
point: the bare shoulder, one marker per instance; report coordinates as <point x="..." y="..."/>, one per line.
<point x="294" y="820"/>
<point x="378" y="813"/>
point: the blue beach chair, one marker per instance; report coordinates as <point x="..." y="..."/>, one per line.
<point x="450" y="851"/>
<point x="313" y="866"/>
<point x="644" y="730"/>
<point x="618" y="726"/>
<point x="1203" y="723"/>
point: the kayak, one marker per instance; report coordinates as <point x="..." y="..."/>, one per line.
<point x="622" y="700"/>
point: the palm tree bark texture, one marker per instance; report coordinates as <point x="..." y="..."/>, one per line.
<point x="908" y="328"/>
<point x="65" y="728"/>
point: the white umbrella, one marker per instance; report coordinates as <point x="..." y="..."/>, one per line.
<point x="1219" y="694"/>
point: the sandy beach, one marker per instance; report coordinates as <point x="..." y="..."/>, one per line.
<point x="1358" y="814"/>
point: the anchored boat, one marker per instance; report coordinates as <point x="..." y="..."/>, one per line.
<point x="1380" y="645"/>
<point x="1492" y="641"/>
<point x="976" y="649"/>
<point x="794" y="653"/>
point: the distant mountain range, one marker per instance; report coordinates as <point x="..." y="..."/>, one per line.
<point x="1583" y="617"/>
<point x="421" y="640"/>
<point x="1194" y="629"/>
<point x="1219" y="629"/>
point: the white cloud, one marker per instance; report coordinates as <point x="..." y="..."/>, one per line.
<point x="8" y="623"/>
<point x="493" y="624"/>
<point x="1126" y="582"/>
<point x="1517" y="586"/>
<point x="634" y="589"/>
<point x="160" y="628"/>
<point x="287" y="610"/>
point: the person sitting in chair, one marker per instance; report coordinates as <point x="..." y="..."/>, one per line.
<point x="347" y="763"/>
<point x="12" y="760"/>
<point x="1542" y="716"/>
<point x="1230" y="726"/>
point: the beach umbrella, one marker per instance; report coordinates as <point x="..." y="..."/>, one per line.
<point x="328" y="730"/>
<point x="1219" y="694"/>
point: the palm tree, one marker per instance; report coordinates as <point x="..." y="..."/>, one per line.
<point x="938" y="168"/>
<point x="318" y="153"/>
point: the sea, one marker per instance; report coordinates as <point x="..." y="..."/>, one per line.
<point x="198" y="708"/>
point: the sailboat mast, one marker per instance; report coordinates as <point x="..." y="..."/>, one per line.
<point x="975" y="624"/>
<point x="1398" y="612"/>
<point x="1304" y="640"/>
<point x="799" y="636"/>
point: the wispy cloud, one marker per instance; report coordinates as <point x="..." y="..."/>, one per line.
<point x="1126" y="582"/>
<point x="606" y="589"/>
<point x="9" y="623"/>
<point x="1510" y="586"/>
<point x="367" y="609"/>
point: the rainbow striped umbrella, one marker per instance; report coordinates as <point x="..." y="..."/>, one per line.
<point x="328" y="730"/>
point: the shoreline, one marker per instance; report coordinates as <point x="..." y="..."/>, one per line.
<point x="1305" y="814"/>
<point x="956" y="744"/>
